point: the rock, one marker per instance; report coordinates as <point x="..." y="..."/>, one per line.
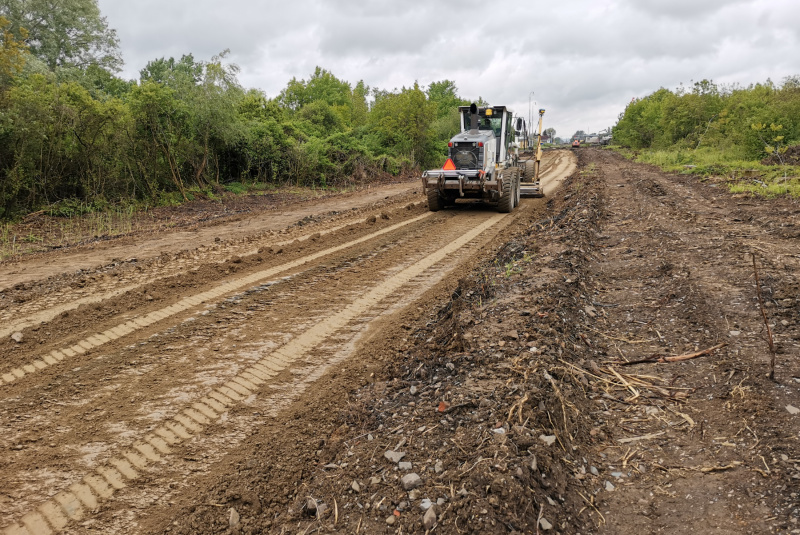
<point x="609" y="486"/>
<point x="544" y="524"/>
<point x="441" y="501"/>
<point x="450" y="366"/>
<point x="17" y="337"/>
<point x="551" y="501"/>
<point x="513" y="335"/>
<point x="391" y="519"/>
<point x="404" y="465"/>
<point x="548" y="439"/>
<point x="413" y="494"/>
<point x="355" y="486"/>
<point x="411" y="481"/>
<point x="413" y="390"/>
<point x="499" y="431"/>
<point x="735" y="333"/>
<point x="394" y="456"/>
<point x="233" y="518"/>
<point x="593" y="471"/>
<point x="311" y="506"/>
<point x="792" y="409"/>
<point x="429" y="519"/>
<point x="438" y="467"/>
<point x="590" y="311"/>
<point x="374" y="480"/>
<point x="425" y="504"/>
<point x="617" y="474"/>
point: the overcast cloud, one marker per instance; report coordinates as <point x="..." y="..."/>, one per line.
<point x="583" y="60"/>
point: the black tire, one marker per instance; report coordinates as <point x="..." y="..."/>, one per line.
<point x="506" y="203"/>
<point x="434" y="201"/>
<point x="529" y="170"/>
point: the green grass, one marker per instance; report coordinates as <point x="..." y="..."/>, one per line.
<point x="740" y="175"/>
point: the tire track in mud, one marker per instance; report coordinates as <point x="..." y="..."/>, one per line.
<point x="73" y="503"/>
<point x="56" y="356"/>
<point x="46" y="309"/>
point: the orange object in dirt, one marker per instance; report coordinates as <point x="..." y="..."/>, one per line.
<point x="443" y="406"/>
<point x="449" y="165"/>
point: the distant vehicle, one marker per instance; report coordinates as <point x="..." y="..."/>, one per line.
<point x="576" y="143"/>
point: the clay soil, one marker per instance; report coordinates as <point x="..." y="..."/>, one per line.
<point x="409" y="372"/>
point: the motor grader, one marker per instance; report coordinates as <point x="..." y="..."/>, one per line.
<point x="483" y="162"/>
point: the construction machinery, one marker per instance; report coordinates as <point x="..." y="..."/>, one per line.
<point x="483" y="161"/>
<point x="530" y="186"/>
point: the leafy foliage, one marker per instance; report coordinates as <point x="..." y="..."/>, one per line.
<point x="64" y="33"/>
<point x="742" y="133"/>
<point x="74" y="134"/>
<point x="728" y="119"/>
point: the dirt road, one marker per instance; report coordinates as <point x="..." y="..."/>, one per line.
<point x="513" y="406"/>
<point x="132" y="369"/>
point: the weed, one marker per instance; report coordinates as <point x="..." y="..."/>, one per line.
<point x="741" y="176"/>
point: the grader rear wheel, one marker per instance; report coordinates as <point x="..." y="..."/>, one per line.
<point x="435" y="201"/>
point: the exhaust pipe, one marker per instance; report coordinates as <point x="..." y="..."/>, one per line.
<point x="473" y="118"/>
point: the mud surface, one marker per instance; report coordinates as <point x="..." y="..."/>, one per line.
<point x="382" y="369"/>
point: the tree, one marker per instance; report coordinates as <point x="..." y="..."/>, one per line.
<point x="322" y="85"/>
<point x="64" y="33"/>
<point x="550" y="133"/>
<point x="12" y="53"/>
<point x="403" y="120"/>
<point x="174" y="74"/>
<point x="444" y="95"/>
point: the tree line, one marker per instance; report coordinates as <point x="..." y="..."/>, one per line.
<point x="739" y="123"/>
<point x="72" y="130"/>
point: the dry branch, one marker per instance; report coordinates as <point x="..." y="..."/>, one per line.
<point x="678" y="358"/>
<point x="770" y="341"/>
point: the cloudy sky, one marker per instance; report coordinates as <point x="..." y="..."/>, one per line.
<point x="582" y="59"/>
